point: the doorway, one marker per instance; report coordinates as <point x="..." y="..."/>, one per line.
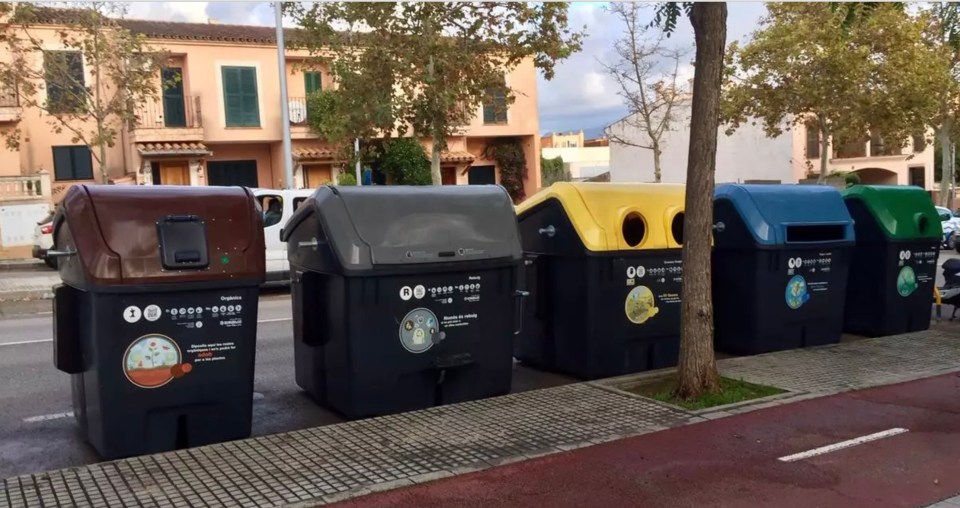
<point x="448" y="176"/>
<point x="170" y="173"/>
<point x="227" y="173"/>
<point x="316" y="175"/>
<point x="482" y="175"/>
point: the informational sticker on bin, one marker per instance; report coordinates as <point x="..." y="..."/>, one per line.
<point x="917" y="267"/>
<point x="652" y="282"/>
<point x="809" y="273"/>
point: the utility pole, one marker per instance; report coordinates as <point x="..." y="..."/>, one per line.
<point x="951" y="185"/>
<point x="284" y="100"/>
<point x="356" y="153"/>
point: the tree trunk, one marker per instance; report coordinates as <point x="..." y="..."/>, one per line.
<point x="697" y="373"/>
<point x="657" y="174"/>
<point x="947" y="170"/>
<point x="435" y="176"/>
<point x="104" y="177"/>
<point x="824" y="155"/>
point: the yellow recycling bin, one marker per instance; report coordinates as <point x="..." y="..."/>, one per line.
<point x="604" y="271"/>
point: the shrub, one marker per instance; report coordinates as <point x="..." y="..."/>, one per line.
<point x="405" y="161"/>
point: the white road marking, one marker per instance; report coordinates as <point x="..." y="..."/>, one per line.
<point x="842" y="444"/>
<point x="22" y="342"/>
<point x="41" y="341"/>
<point x="43" y="418"/>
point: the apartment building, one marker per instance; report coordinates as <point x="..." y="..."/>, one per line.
<point x="219" y="122"/>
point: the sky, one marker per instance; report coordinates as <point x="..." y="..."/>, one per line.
<point x="581" y="95"/>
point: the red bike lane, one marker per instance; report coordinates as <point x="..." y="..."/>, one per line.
<point x="734" y="461"/>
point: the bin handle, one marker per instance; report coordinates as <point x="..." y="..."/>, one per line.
<point x="312" y="243"/>
<point x="521" y="297"/>
<point x="719" y="227"/>
<point x="550" y="231"/>
<point x="61" y="253"/>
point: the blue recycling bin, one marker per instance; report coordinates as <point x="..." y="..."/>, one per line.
<point x="780" y="265"/>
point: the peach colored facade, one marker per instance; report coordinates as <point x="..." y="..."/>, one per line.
<point x="911" y="165"/>
<point x="204" y="150"/>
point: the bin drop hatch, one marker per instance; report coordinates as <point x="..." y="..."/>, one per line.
<point x="183" y="242"/>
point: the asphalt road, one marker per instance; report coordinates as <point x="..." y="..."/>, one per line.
<point x="37" y="429"/>
<point x="894" y="446"/>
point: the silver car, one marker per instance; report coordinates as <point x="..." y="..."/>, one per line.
<point x="43" y="240"/>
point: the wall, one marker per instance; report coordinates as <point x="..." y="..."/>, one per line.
<point x="581" y="162"/>
<point x="746" y="155"/>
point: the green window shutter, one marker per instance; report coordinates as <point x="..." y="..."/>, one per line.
<point x="240" y="96"/>
<point x="251" y="106"/>
<point x="311" y="82"/>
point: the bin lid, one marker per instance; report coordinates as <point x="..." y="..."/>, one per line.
<point x="368" y="226"/>
<point x="770" y="211"/>
<point x="601" y="212"/>
<point x="133" y="235"/>
<point x="898" y="210"/>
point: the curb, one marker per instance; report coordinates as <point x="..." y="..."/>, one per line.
<point x="24" y="265"/>
<point x="21" y="296"/>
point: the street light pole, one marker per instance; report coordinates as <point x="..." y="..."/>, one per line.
<point x="284" y="104"/>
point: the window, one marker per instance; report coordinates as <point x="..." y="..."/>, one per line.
<point x="63" y="73"/>
<point x="311" y="82"/>
<point x="272" y="206"/>
<point x="813" y="141"/>
<point x="240" y="96"/>
<point x="297" y="202"/>
<point x="72" y="163"/>
<point x="495" y="105"/>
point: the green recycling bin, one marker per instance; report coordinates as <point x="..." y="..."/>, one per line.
<point x="894" y="266"/>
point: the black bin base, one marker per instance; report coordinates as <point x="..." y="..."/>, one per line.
<point x="575" y="321"/>
<point x="159" y="370"/>
<point x="878" y="302"/>
<point x="350" y="358"/>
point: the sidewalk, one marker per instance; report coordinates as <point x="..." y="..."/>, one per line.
<point x="326" y="464"/>
<point x="27" y="284"/>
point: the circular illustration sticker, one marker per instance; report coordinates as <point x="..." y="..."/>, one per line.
<point x="640" y="305"/>
<point x="906" y="281"/>
<point x="417" y="330"/>
<point x="153" y="361"/>
<point x="796" y="293"/>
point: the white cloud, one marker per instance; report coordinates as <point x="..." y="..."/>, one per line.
<point x="191" y="12"/>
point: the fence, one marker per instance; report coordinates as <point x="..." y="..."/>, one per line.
<point x="169" y="113"/>
<point x="25" y="188"/>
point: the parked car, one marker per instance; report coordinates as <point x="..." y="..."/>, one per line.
<point x="43" y="240"/>
<point x="278" y="206"/>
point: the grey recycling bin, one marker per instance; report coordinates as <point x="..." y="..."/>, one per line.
<point x="403" y="297"/>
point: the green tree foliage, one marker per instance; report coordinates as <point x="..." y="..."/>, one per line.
<point x="552" y="171"/>
<point x="346" y="178"/>
<point x="820" y="65"/>
<point x="426" y="66"/>
<point x="92" y="86"/>
<point x="405" y="160"/>
<point x="512" y="163"/>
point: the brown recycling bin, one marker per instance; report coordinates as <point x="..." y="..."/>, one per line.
<point x="156" y="319"/>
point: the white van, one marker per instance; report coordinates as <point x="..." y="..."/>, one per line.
<point x="278" y="206"/>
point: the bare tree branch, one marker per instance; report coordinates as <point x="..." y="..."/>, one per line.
<point x="651" y="95"/>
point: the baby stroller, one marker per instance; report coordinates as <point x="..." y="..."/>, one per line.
<point x="950" y="292"/>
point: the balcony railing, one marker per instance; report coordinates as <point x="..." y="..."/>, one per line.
<point x="14" y="188"/>
<point x="297" y="106"/>
<point x="170" y="113"/>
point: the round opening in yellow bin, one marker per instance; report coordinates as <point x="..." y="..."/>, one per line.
<point x="676" y="228"/>
<point x="634" y="229"/>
